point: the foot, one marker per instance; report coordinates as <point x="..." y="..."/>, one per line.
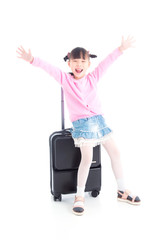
<point x="78" y="207"/>
<point x="128" y="198"/>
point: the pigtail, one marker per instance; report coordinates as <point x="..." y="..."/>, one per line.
<point x="92" y="56"/>
<point x="67" y="57"/>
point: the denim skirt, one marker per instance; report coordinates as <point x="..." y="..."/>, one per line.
<point x="90" y="131"/>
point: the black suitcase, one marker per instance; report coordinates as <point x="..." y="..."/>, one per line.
<point x="64" y="161"/>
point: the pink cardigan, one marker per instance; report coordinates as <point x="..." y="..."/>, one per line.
<point x="81" y="95"/>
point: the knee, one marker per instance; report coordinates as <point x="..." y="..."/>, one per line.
<point x="86" y="156"/>
<point x="86" y="161"/>
<point x="116" y="153"/>
<point x="112" y="149"/>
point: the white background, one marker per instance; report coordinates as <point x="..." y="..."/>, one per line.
<point x="30" y="112"/>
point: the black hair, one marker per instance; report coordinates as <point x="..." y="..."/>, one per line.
<point x="77" y="53"/>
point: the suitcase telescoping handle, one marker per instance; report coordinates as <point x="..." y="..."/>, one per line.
<point x="65" y="130"/>
<point x="62" y="109"/>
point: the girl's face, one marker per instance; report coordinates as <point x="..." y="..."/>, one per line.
<point x="79" y="67"/>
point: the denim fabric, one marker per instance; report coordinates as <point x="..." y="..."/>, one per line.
<point x="90" y="128"/>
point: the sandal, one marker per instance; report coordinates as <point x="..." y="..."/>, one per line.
<point x="126" y="197"/>
<point x="78" y="207"/>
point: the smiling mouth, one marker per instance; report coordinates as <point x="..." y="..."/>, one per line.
<point x="79" y="70"/>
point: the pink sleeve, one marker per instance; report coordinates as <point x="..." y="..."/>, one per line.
<point x="102" y="67"/>
<point x="55" y="72"/>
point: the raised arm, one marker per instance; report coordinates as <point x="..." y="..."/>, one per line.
<point x="101" y="69"/>
<point x="55" y="72"/>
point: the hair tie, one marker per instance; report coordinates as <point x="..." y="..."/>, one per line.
<point x="68" y="55"/>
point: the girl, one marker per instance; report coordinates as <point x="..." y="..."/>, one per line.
<point x="89" y="126"/>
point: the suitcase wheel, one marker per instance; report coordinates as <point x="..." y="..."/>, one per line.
<point x="94" y="193"/>
<point x="58" y="197"/>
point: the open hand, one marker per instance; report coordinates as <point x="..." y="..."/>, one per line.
<point x="27" y="56"/>
<point x="125" y="44"/>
